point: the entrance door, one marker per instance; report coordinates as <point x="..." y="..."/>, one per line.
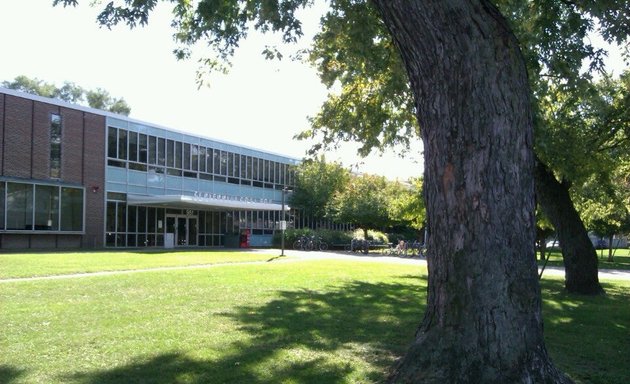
<point x="184" y="229"/>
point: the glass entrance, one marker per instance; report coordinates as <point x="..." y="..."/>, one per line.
<point x="184" y="229"/>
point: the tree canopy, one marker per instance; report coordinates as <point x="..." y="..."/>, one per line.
<point x="94" y="98"/>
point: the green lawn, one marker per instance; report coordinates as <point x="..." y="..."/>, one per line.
<point x="301" y="322"/>
<point x="621" y="259"/>
<point x="47" y="264"/>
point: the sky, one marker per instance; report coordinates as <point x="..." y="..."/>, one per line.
<point x="261" y="104"/>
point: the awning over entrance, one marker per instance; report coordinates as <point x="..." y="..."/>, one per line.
<point x="198" y="202"/>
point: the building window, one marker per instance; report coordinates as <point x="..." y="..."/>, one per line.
<point x="133" y="146"/>
<point x="71" y="209"/>
<point x="40" y="207"/>
<point x="122" y="144"/>
<point x="161" y="152"/>
<point x="55" y="146"/>
<point x="46" y="208"/>
<point x="19" y="206"/>
<point x="152" y="149"/>
<point x="112" y="143"/>
<point x="142" y="148"/>
<point x="170" y="153"/>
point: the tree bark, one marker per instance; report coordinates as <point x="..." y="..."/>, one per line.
<point x="483" y="322"/>
<point x="578" y="253"/>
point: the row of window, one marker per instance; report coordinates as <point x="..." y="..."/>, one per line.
<point x="143" y="152"/>
<point x="40" y="207"/>
<point x="138" y="226"/>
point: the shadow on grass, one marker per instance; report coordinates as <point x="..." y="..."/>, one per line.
<point x="588" y="336"/>
<point x="303" y="336"/>
<point x="9" y="374"/>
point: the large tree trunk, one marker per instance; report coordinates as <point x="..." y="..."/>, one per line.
<point x="578" y="253"/>
<point x="483" y="321"/>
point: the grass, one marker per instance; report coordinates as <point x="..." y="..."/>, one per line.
<point x="16" y="265"/>
<point x="621" y="259"/>
<point x="305" y="322"/>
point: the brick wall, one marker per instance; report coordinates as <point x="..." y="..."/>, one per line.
<point x="25" y="154"/>
<point x="94" y="178"/>
<point x="18" y="140"/>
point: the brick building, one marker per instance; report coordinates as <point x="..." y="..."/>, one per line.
<point x="76" y="177"/>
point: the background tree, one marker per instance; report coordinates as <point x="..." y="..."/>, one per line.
<point x="316" y="184"/>
<point x="471" y="96"/>
<point x="364" y="203"/>
<point x="604" y="204"/>
<point x="586" y="130"/>
<point x="406" y="205"/>
<point x="70" y="92"/>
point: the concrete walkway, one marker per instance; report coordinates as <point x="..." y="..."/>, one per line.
<point x="292" y="256"/>
<point x="376" y="257"/>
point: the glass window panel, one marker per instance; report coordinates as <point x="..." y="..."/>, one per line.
<point x="112" y="142"/>
<point x="132" y="213"/>
<point x="71" y="209"/>
<point x="142" y="219"/>
<point x="121" y="219"/>
<point x="243" y="167"/>
<point x="224" y="163"/>
<point x="170" y="153"/>
<point x="267" y="171"/>
<point x="217" y="162"/>
<point x="46" y="208"/>
<point x="178" y="154"/>
<point x="142" y="148"/>
<point x="161" y="151"/>
<point x="230" y="164"/>
<point x="194" y="162"/>
<point x="151" y="220"/>
<point x="19" y="206"/>
<point x="111" y="216"/>
<point x="209" y="160"/>
<point x="202" y="222"/>
<point x="110" y="240"/>
<point x="276" y="172"/>
<point x="55" y="146"/>
<point x="237" y="165"/>
<point x="152" y="149"/>
<point x="202" y="159"/>
<point x="255" y="169"/>
<point x="186" y="156"/>
<point x="122" y="144"/>
<point x="133" y="146"/>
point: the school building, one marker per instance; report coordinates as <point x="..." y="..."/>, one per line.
<point x="77" y="177"/>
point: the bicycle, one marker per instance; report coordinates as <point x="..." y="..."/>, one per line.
<point x="304" y="243"/>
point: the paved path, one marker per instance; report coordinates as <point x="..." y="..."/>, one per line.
<point x="297" y="256"/>
<point x="375" y="257"/>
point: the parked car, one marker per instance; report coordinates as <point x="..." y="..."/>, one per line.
<point x="552" y="244"/>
